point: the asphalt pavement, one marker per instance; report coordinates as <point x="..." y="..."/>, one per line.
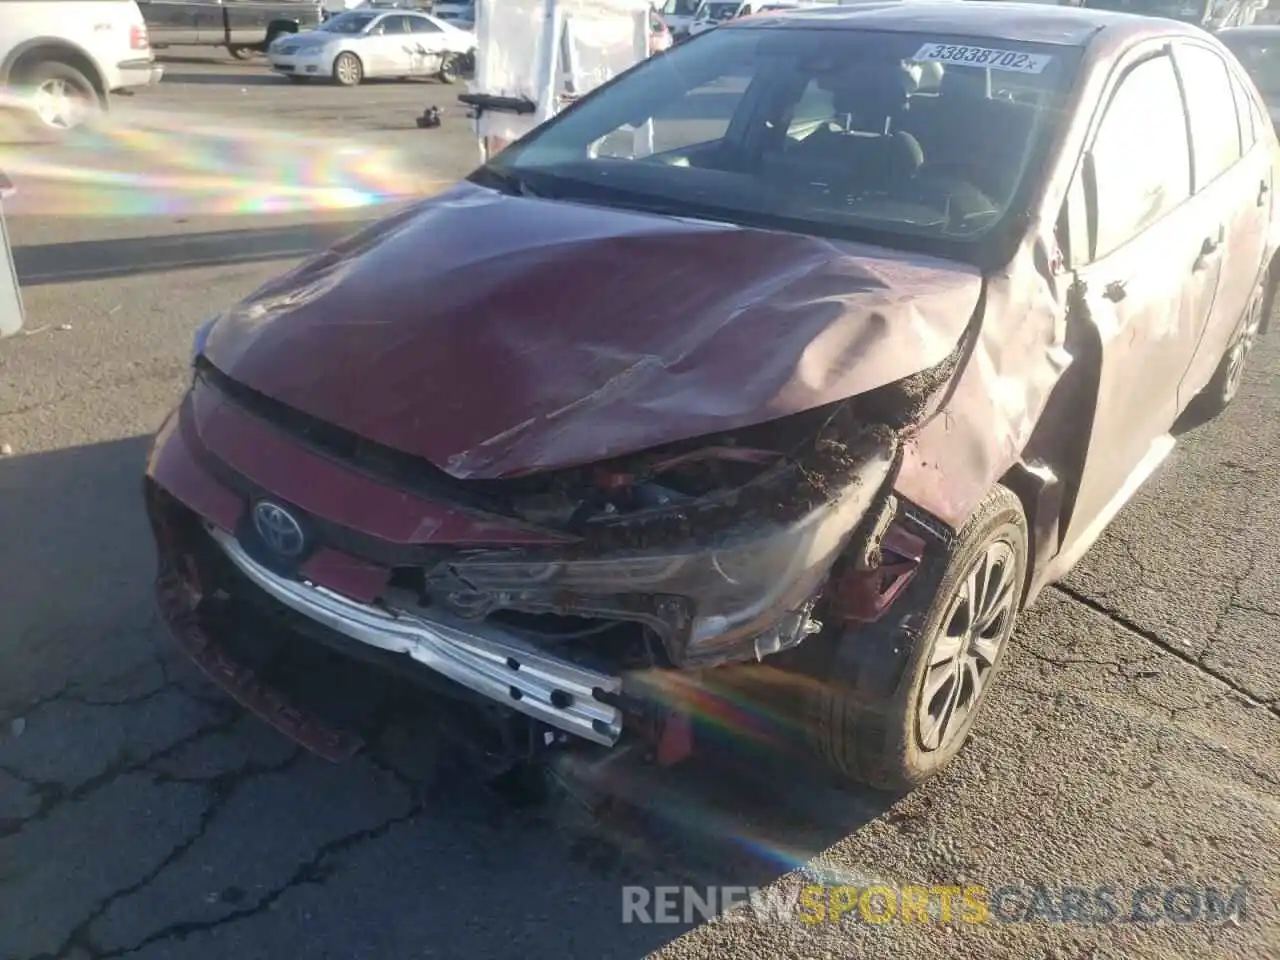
<point x="1134" y="742"/>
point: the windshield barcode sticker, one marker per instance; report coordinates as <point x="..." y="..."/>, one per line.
<point x="966" y="56"/>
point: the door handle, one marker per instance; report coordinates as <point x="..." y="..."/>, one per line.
<point x="1208" y="248"/>
<point x="1115" y="291"/>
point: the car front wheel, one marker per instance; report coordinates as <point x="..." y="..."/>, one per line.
<point x="348" y="71"/>
<point x="450" y="68"/>
<point x="899" y="700"/>
<point x="62" y="98"/>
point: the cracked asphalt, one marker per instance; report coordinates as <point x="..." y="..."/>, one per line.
<point x="1134" y="741"/>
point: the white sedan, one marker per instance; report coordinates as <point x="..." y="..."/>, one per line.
<point x="366" y="42"/>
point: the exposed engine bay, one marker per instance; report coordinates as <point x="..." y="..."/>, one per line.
<point x="698" y="553"/>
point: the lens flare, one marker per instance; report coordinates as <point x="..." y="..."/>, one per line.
<point x="760" y="809"/>
<point x="157" y="163"/>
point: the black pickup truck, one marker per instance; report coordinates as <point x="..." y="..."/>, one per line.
<point x="244" y="27"/>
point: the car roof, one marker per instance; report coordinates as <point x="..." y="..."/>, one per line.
<point x="996" y="19"/>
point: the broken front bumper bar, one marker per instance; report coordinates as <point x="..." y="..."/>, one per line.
<point x="478" y="657"/>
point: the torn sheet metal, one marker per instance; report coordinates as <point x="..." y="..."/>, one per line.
<point x="496" y="335"/>
<point x="1016" y="360"/>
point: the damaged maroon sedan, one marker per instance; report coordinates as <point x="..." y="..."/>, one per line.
<point x="812" y="349"/>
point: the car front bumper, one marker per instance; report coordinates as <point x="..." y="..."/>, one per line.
<point x="198" y="503"/>
<point x="476" y="656"/>
<point x="297" y="65"/>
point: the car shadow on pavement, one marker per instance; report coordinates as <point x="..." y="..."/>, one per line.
<point x="237" y="79"/>
<point x="74" y="557"/>
<point x="408" y="834"/>
<point x="100" y="259"/>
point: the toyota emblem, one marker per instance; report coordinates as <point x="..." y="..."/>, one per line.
<point x="280" y="532"/>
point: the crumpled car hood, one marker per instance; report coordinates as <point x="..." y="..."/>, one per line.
<point x="498" y="335"/>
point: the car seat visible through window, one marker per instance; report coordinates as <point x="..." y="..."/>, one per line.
<point x="967" y="134"/>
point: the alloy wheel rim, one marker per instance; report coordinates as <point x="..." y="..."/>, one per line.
<point x="966" y="646"/>
<point x="346" y="70"/>
<point x="58" y="104"/>
<point x="1241" y="348"/>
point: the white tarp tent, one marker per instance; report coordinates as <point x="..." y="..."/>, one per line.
<point x="534" y="56"/>
<point x="10" y="295"/>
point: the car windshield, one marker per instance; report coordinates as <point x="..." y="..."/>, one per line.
<point x="832" y="132"/>
<point x="680" y="8"/>
<point x="348" y="23"/>
<point x="1260" y="56"/>
<point x="719" y="10"/>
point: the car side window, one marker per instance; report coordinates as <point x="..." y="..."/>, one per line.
<point x="1244" y="114"/>
<point x="422" y="25"/>
<point x="396" y="25"/>
<point x="1140" y="160"/>
<point x="1215" y="131"/>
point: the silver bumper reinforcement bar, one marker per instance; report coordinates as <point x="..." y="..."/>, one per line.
<point x="478" y="657"/>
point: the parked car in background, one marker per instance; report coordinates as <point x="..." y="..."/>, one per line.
<point x="460" y="15"/>
<point x="364" y="43"/>
<point x="1258" y="50"/>
<point x="243" y="27"/>
<point x="60" y="60"/>
<point x="675" y="399"/>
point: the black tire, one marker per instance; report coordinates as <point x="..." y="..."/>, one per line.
<point x="49" y="75"/>
<point x="1223" y="386"/>
<point x="241" y="53"/>
<point x="348" y="71"/>
<point x="450" y="68"/>
<point x="863" y="713"/>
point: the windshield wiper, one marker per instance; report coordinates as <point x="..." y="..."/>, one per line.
<point x="504" y="180"/>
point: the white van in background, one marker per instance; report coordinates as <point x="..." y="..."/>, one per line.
<point x="711" y="13"/>
<point x="678" y="16"/>
<point x="60" y="60"/>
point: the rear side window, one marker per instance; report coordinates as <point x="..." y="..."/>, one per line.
<point x="1244" y="115"/>
<point x="1141" y="161"/>
<point x="1215" y="132"/>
